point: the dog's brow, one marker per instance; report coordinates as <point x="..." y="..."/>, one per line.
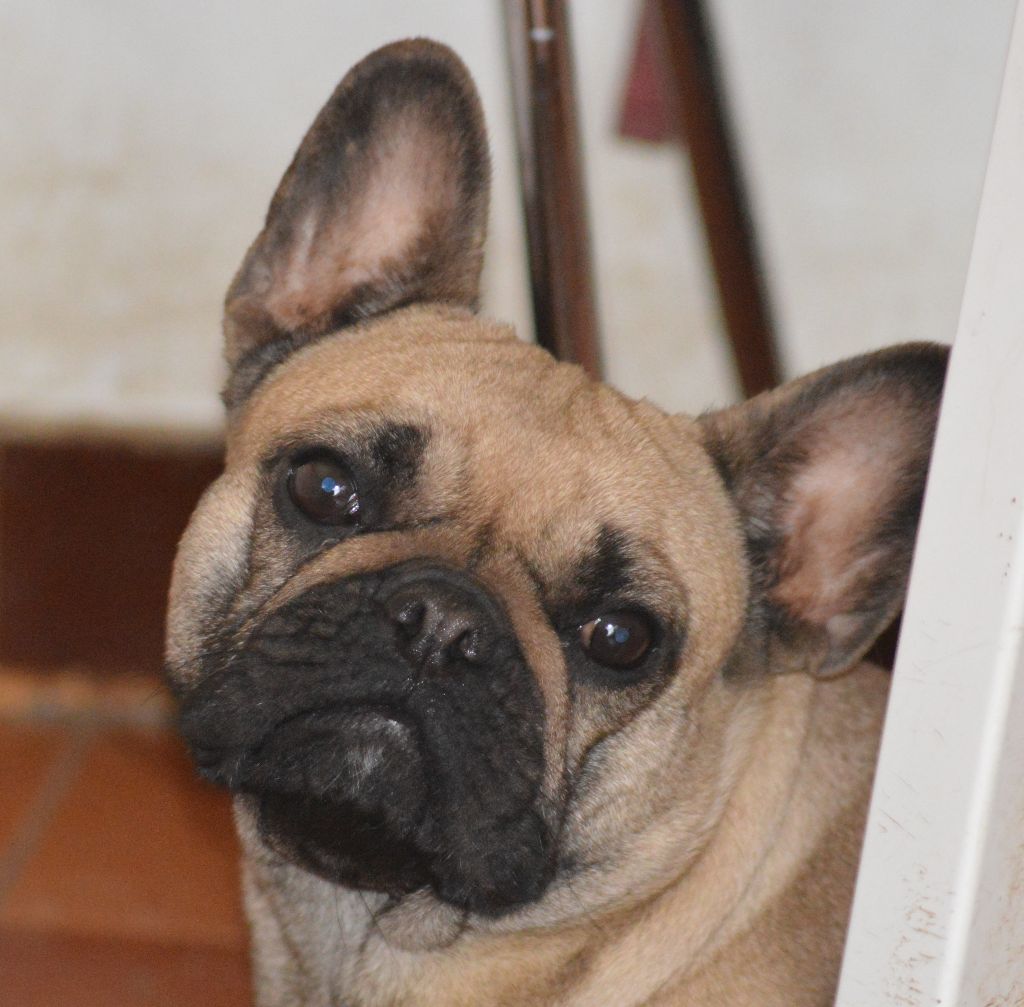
<point x="605" y="571"/>
<point x="391" y="451"/>
<point x="395" y="450"/>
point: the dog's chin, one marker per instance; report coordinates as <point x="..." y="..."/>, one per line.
<point x="341" y="843"/>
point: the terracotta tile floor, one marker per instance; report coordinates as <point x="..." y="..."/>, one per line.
<point x="118" y="868"/>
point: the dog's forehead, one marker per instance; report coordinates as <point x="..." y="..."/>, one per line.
<point x="443" y="366"/>
<point x="514" y="414"/>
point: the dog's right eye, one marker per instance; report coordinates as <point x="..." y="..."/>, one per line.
<point x="618" y="640"/>
<point x="323" y="489"/>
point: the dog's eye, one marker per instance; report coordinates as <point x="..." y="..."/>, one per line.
<point x="619" y="640"/>
<point x="323" y="489"/>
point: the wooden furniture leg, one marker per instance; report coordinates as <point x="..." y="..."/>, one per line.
<point x="703" y="124"/>
<point x="551" y="173"/>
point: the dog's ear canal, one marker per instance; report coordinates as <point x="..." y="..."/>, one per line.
<point x="384" y="204"/>
<point x="828" y="475"/>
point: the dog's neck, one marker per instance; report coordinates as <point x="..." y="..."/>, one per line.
<point x="318" y="945"/>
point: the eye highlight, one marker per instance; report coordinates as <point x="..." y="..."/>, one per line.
<point x="323" y="490"/>
<point x="618" y="640"/>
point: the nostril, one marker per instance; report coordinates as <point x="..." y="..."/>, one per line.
<point x="438" y="626"/>
<point x="469" y="646"/>
<point x="407" y="613"/>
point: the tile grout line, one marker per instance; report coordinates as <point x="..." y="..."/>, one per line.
<point x="58" y="782"/>
<point x="71" y="696"/>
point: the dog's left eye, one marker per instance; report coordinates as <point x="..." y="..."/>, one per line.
<point x="323" y="489"/>
<point x="618" y="640"/>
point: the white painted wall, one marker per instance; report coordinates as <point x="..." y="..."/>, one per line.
<point x="139" y="146"/>
<point x="866" y="128"/>
<point x="140" y="142"/>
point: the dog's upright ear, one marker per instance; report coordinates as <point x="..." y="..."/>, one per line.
<point x="384" y="204"/>
<point x="828" y="474"/>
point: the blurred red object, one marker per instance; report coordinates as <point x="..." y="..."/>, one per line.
<point x="645" y="113"/>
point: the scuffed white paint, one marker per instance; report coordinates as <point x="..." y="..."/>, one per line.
<point x="939" y="913"/>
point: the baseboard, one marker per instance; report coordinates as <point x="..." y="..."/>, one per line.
<point x="87" y="538"/>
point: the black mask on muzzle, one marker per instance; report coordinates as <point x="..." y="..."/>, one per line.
<point x="390" y="734"/>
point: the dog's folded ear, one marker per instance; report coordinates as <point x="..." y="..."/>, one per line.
<point x="384" y="204"/>
<point x="828" y="475"/>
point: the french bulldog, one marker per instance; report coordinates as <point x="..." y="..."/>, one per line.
<point x="527" y="693"/>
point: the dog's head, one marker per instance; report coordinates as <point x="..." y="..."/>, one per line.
<point x="457" y="619"/>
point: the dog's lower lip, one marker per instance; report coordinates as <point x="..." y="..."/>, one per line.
<point x="387" y="716"/>
<point x="207" y="754"/>
<point x="340" y="753"/>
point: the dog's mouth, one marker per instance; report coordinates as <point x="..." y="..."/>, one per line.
<point x="350" y="795"/>
<point x="342" y="793"/>
<point x="374" y="773"/>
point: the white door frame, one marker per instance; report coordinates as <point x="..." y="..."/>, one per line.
<point x="938" y="918"/>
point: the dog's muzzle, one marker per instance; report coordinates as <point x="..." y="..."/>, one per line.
<point x="390" y="734"/>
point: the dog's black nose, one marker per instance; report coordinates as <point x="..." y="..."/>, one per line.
<point x="441" y="621"/>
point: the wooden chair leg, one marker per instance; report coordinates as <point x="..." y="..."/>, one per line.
<point x="703" y="124"/>
<point x="551" y="176"/>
